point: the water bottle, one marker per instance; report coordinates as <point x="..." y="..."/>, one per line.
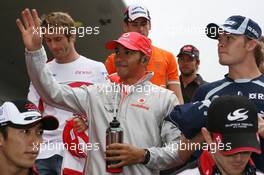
<point x="114" y="134"/>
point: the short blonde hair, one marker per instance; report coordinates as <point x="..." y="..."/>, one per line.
<point x="58" y="19"/>
<point x="259" y="51"/>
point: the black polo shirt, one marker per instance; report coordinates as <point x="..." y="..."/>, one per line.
<point x="189" y="91"/>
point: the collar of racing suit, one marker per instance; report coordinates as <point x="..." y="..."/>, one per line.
<point x="207" y="166"/>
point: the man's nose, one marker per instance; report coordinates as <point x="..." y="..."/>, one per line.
<point x="53" y="45"/>
<point x="221" y="43"/>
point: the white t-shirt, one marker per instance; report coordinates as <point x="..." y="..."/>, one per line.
<point x="79" y="72"/>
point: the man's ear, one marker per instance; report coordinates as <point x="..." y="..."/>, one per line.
<point x="197" y="61"/>
<point x="144" y="59"/>
<point x="251" y="45"/>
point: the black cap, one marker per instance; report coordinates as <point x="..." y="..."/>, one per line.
<point x="233" y="120"/>
<point x="189" y="50"/>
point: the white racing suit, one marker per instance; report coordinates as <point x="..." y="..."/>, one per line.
<point x="141" y="110"/>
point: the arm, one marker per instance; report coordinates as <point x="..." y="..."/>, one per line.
<point x="185" y="154"/>
<point x="167" y="156"/>
<point x="173" y="77"/>
<point x="176" y="88"/>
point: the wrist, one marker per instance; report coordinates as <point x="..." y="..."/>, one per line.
<point x="32" y="50"/>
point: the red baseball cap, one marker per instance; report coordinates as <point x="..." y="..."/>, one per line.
<point x="132" y="41"/>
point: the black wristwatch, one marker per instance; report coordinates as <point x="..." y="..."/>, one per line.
<point x="146" y="157"/>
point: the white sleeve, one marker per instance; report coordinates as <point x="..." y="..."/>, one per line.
<point x="167" y="156"/>
<point x="52" y="93"/>
<point x="33" y="96"/>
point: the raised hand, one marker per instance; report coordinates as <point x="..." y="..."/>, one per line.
<point x="30" y="29"/>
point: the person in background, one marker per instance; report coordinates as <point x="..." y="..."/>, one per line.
<point x="240" y="49"/>
<point x="137" y="104"/>
<point x="230" y="139"/>
<point x="162" y="62"/>
<point x="21" y="129"/>
<point x="188" y="60"/>
<point x="67" y="67"/>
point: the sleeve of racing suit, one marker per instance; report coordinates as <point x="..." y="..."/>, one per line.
<point x="54" y="94"/>
<point x="166" y="156"/>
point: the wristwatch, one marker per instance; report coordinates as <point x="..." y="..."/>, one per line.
<point x="146" y="157"/>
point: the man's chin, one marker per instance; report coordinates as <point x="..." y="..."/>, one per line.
<point x="187" y="74"/>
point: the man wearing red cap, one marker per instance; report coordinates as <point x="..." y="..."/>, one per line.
<point x="139" y="105"/>
<point x="162" y="62"/>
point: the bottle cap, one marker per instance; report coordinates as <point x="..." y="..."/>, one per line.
<point x="115" y="123"/>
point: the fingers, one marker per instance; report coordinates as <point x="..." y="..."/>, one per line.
<point x="118" y="165"/>
<point x="29" y="18"/>
<point x="79" y="124"/>
<point x="119" y="158"/>
<point x="36" y="18"/>
<point x="114" y="158"/>
<point x="20" y="26"/>
<point x="24" y="18"/>
<point x="116" y="146"/>
<point x="111" y="153"/>
<point x="115" y="155"/>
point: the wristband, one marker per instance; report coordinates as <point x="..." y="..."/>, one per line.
<point x="146" y="157"/>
